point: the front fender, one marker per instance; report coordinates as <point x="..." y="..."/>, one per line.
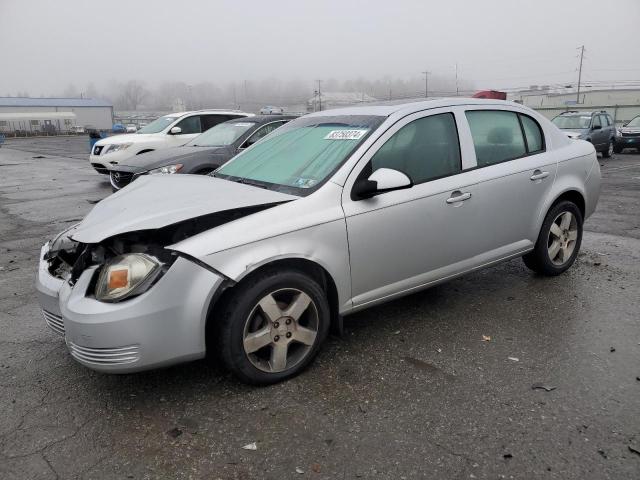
<point x="324" y="244"/>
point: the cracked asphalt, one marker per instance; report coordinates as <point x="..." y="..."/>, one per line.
<point x="413" y="389"/>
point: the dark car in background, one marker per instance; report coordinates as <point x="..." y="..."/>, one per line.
<point x="201" y="155"/>
<point x="628" y="136"/>
<point x="595" y="127"/>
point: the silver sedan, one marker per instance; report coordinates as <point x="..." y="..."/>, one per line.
<point x="332" y="213"/>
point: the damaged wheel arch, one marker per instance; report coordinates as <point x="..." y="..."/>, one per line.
<point x="305" y="266"/>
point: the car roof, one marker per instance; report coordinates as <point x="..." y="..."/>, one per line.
<point x="260" y="119"/>
<point x="408" y="108"/>
<point x="575" y="113"/>
<point x="207" y="111"/>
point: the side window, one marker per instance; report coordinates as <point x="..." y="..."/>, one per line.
<point x="190" y="125"/>
<point x="497" y="136"/>
<point x="607" y="120"/>
<point x="533" y="134"/>
<point x="209" y="121"/>
<point x="261" y="133"/>
<point x="596" y="121"/>
<point x="424" y="149"/>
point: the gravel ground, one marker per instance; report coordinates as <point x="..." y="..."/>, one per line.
<point x="410" y="391"/>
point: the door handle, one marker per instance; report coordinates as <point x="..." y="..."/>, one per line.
<point x="539" y="175"/>
<point x="458" y="196"/>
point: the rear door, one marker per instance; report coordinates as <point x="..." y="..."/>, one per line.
<point x="516" y="173"/>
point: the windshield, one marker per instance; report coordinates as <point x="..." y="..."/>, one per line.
<point x="635" y="122"/>
<point x="158" y="125"/>
<point x="300" y="156"/>
<point x="573" y="121"/>
<point x="222" y="134"/>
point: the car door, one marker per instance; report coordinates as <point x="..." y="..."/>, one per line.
<point x="515" y="175"/>
<point x="597" y="132"/>
<point x="404" y="239"/>
<point x="190" y="128"/>
<point x="607" y="127"/>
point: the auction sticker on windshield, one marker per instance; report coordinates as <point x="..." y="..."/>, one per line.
<point x="345" y="134"/>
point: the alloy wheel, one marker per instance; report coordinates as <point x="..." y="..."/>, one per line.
<point x="563" y="235"/>
<point x="281" y="330"/>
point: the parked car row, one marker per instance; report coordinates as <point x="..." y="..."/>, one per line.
<point x="171" y="130"/>
<point x="328" y="214"/>
<point x="203" y="154"/>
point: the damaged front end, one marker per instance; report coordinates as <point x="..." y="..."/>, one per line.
<point x="130" y="263"/>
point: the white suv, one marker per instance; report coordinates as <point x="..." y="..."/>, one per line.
<point x="172" y="130"/>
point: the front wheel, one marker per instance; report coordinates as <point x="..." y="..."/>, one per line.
<point x="558" y="242"/>
<point x="609" y="151"/>
<point x="272" y="326"/>
<point x="617" y="149"/>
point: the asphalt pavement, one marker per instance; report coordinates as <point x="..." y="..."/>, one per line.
<point x="499" y="374"/>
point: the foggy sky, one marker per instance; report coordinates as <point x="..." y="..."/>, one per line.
<point x="47" y="45"/>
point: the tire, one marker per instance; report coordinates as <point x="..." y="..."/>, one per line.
<point x="609" y="151"/>
<point x="255" y="357"/>
<point x="617" y="149"/>
<point x="548" y="257"/>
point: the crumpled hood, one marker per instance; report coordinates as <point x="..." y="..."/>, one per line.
<point x="156" y="201"/>
<point x="168" y="156"/>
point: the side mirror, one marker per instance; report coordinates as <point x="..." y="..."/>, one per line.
<point x="175" y="131"/>
<point x="596" y="127"/>
<point x="381" y="181"/>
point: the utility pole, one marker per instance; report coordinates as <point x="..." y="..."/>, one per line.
<point x="319" y="95"/>
<point x="580" y="73"/>
<point x="457" y="91"/>
<point x="426" y="84"/>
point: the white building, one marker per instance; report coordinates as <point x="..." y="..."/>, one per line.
<point x="621" y="104"/>
<point x="53" y="115"/>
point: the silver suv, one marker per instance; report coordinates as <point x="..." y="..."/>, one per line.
<point x="332" y="213"/>
<point x="595" y="127"/>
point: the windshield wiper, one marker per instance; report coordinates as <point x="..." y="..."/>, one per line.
<point x="253" y="183"/>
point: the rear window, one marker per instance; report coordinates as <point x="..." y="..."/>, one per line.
<point x="533" y="134"/>
<point x="497" y="136"/>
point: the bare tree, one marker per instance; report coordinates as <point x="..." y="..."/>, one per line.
<point x="132" y="94"/>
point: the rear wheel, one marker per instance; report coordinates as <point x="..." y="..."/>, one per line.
<point x="609" y="151"/>
<point x="272" y="326"/>
<point x="558" y="242"/>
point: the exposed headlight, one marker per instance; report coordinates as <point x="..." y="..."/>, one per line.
<point x="116" y="147"/>
<point x="167" y="169"/>
<point x="125" y="276"/>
